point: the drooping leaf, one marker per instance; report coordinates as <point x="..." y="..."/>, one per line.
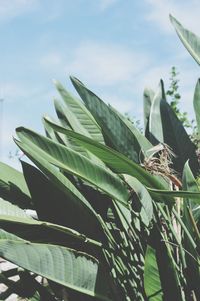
<point x="152" y="283"/>
<point x="188" y="38"/>
<point x="15" y="220"/>
<point x="70" y="268"/>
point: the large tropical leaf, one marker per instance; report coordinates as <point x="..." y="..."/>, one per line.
<point x="115" y="160"/>
<point x="70" y="268"/>
<point x="188" y="38"/>
<point x="116" y="133"/>
<point x="144" y="143"/>
<point x="15" y="220"/>
<point x="13" y="186"/>
<point x="74" y="163"/>
<point x="73" y="196"/>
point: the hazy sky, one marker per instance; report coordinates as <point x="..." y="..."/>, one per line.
<point x="116" y="47"/>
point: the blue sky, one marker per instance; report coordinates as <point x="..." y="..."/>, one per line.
<point x="116" y="47"/>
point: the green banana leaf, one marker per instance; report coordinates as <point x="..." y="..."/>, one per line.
<point x="15" y="220"/>
<point x="188" y="38"/>
<point x="74" y="163"/>
<point x="77" y="121"/>
<point x="190" y="184"/>
<point x="73" y="196"/>
<point x="152" y="284"/>
<point x="70" y="268"/>
<point x="50" y="133"/>
<point x="155" y="134"/>
<point x="85" y="120"/>
<point x="13" y="186"/>
<point x="196" y="104"/>
<point x="53" y="205"/>
<point x="148" y="97"/>
<point x="193" y="195"/>
<point x="177" y="138"/>
<point x="116" y="133"/>
<point x="144" y="202"/>
<point x="193" y="270"/>
<point x="170" y="275"/>
<point x="165" y="127"/>
<point x="115" y="160"/>
<point x="144" y="143"/>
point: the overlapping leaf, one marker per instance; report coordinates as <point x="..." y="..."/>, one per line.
<point x="116" y="133"/>
<point x="69" y="160"/>
<point x="68" y="267"/>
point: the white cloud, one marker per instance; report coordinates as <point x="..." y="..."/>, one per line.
<point x="51" y="60"/>
<point x="12" y="90"/>
<point x="187" y="12"/>
<point x="10" y="9"/>
<point x="104" y="4"/>
<point x="104" y="64"/>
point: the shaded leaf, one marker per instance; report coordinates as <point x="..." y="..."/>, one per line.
<point x="152" y="284"/>
<point x="144" y="199"/>
<point x="13" y="186"/>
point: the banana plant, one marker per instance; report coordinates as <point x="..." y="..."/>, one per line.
<point x="103" y="212"/>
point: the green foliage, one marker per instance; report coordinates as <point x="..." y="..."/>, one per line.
<point x="116" y="213"/>
<point x="175" y="98"/>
